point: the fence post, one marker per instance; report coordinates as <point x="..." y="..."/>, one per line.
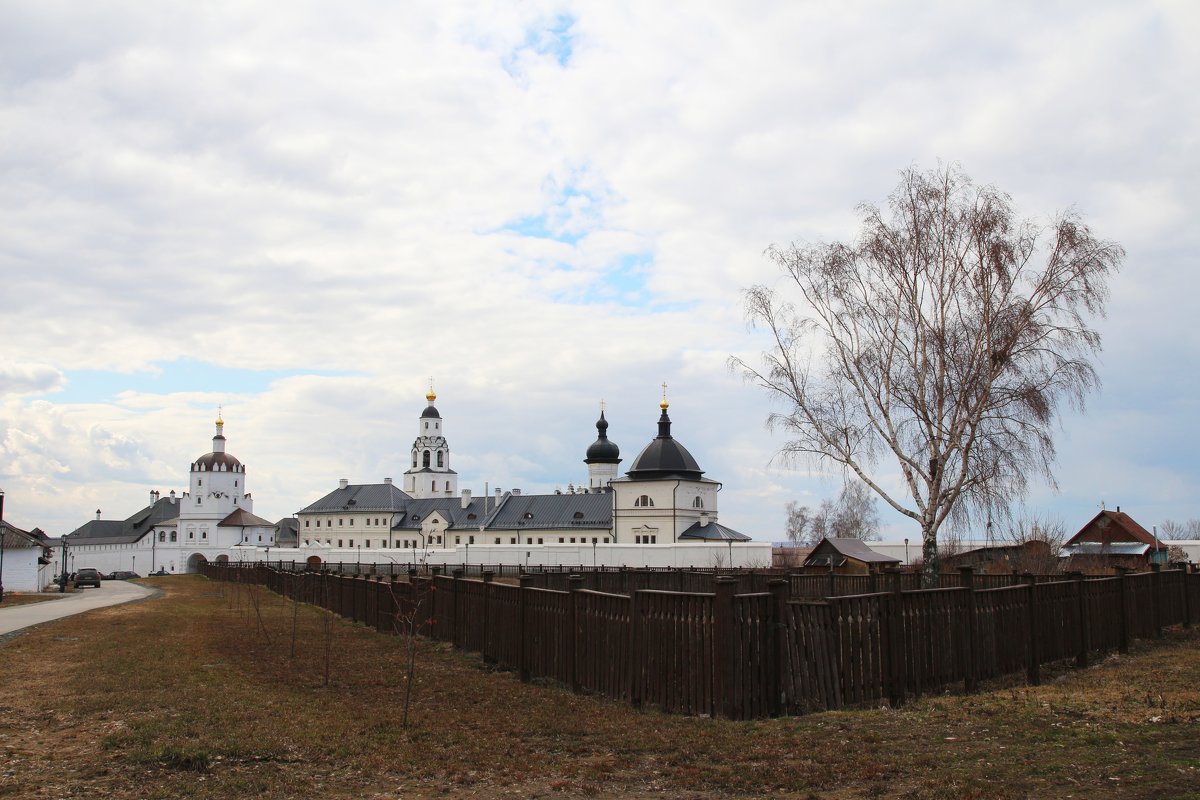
<point x="1123" y="583"/>
<point x="1187" y="609"/>
<point x="574" y="584"/>
<point x="635" y="642"/>
<point x="1033" y="670"/>
<point x="1155" y="596"/>
<point x="723" y="656"/>
<point x="778" y="587"/>
<point x="487" y="577"/>
<point x="897" y="675"/>
<point x="967" y="575"/>
<point x="1085" y="632"/>
<point x="456" y="586"/>
<point x="522" y="623"/>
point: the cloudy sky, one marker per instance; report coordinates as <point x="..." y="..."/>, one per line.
<point x="301" y="212"/>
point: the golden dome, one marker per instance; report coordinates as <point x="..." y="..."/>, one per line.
<point x="664" y="405"/>
<point x="430" y="396"/>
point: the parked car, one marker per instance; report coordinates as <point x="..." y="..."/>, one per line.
<point x="106" y="576"/>
<point x="87" y="577"/>
<point x="160" y="572"/>
<point x="123" y="575"/>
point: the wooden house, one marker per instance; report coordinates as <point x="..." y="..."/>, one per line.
<point x="1113" y="539"/>
<point x="846" y="557"/>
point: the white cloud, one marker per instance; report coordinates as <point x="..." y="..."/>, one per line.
<point x="341" y="191"/>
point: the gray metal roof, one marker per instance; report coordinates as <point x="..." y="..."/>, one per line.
<point x="714" y="532"/>
<point x="665" y="457"/>
<point x="128" y="530"/>
<point x="543" y="511"/>
<point x="241" y="518"/>
<point x="361" y="497"/>
<point x="451" y="508"/>
<point x="854" y="548"/>
<point x="1106" y="549"/>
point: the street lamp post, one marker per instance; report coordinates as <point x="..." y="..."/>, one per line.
<point x="62" y="586"/>
<point x="906" y="561"/>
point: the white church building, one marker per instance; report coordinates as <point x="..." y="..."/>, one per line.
<point x="662" y="512"/>
<point x="213" y="520"/>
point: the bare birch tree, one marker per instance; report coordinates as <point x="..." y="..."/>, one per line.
<point x="948" y="337"/>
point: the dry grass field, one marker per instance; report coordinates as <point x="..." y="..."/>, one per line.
<point x="190" y="696"/>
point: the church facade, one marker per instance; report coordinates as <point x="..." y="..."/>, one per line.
<point x="214" y="519"/>
<point x="663" y="499"/>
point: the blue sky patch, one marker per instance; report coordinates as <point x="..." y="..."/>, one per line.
<point x="169" y="377"/>
<point x="552" y="39"/>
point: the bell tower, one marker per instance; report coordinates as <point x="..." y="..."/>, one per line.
<point x="430" y="474"/>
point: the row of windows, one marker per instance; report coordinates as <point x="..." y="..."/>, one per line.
<point x="649" y="538"/>
<point x="399" y="544"/>
<point x="646" y="501"/>
<point x="541" y="540"/>
<point x="162" y="535"/>
<point x="342" y="521"/>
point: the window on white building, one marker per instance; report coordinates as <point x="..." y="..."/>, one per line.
<point x="698" y="502"/>
<point x="645" y="501"/>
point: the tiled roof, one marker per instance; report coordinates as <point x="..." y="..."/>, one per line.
<point x="361" y="497"/>
<point x="14" y="538"/>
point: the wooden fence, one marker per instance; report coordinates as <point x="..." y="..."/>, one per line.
<point x="748" y="655"/>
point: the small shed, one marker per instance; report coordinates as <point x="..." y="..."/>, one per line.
<point x="25" y="558"/>
<point x="1034" y="556"/>
<point x="846" y="557"/>
<point x="1113" y="539"/>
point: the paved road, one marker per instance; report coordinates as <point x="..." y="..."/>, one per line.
<point x="110" y="593"/>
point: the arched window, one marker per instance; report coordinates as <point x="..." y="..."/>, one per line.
<point x="414" y="458"/>
<point x="698" y="502"/>
<point x="441" y="457"/>
<point x="425" y="459"/>
<point x="645" y="501"/>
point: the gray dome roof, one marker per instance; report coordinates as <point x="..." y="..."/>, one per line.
<point x="664" y="457"/>
<point x="603" y="450"/>
<point x="430" y="413"/>
<point x="213" y="461"/>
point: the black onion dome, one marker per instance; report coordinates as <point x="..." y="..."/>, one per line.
<point x="213" y="461"/>
<point x="664" y="457"/>
<point x="430" y="413"/>
<point x="603" y="450"/>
